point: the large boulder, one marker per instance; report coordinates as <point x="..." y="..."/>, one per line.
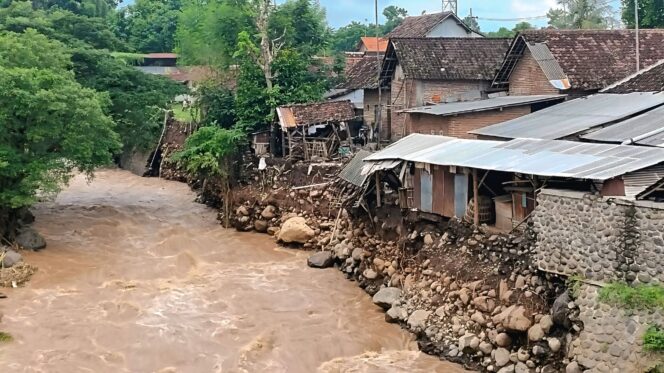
<point x="260" y="226"/>
<point x="295" y="230"/>
<point x="560" y="311"/>
<point x="396" y="314"/>
<point x="269" y="212"/>
<point x="417" y="319"/>
<point x="322" y="259"/>
<point x="386" y="297"/>
<point x="9" y="258"/>
<point x="29" y="239"/>
<point x="514" y="318"/>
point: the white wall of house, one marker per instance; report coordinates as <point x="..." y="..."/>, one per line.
<point x="449" y="28"/>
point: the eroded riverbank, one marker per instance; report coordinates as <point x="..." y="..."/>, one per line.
<point x="138" y="278"/>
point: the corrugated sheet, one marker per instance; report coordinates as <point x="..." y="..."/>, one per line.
<point x="286" y="117"/>
<point x="546" y="61"/>
<point x="637" y="128"/>
<point x="574" y="117"/>
<point x="352" y="173"/>
<point x="637" y="182"/>
<point x="527" y="156"/>
<point x="482" y="105"/>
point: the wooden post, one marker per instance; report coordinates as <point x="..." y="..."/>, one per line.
<point x="283" y="143"/>
<point x="378" y="202"/>
<point x="476" y="199"/>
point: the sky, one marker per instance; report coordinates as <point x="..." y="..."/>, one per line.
<point x="342" y="12"/>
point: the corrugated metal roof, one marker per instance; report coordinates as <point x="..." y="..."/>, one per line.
<point x="527" y="156"/>
<point x="637" y="182"/>
<point x="482" y="105"/>
<point x="546" y="61"/>
<point x="642" y="129"/>
<point x="574" y="117"/>
<point x="352" y="173"/>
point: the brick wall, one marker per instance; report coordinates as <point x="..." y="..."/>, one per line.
<point x="458" y="126"/>
<point x="408" y="93"/>
<point x="529" y="79"/>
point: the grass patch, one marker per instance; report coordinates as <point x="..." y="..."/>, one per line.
<point x="181" y="114"/>
<point x="653" y="340"/>
<point x="639" y="297"/>
<point x="5" y="337"/>
<point x="574" y="285"/>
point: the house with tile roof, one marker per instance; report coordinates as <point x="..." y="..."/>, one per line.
<point x="650" y="79"/>
<point x="575" y="62"/>
<point x="445" y="24"/>
<point x="372" y="45"/>
<point x="423" y="71"/>
<point x="363" y="76"/>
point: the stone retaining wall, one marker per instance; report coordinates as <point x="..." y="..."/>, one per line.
<point x="601" y="239"/>
<point x="612" y="339"/>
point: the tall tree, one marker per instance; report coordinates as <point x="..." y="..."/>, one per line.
<point x="149" y="25"/>
<point x="394" y="15"/>
<point x="51" y="125"/>
<point x="300" y="24"/>
<point x="472" y="23"/>
<point x="651" y="13"/>
<point x="581" y="14"/>
<point x="347" y="37"/>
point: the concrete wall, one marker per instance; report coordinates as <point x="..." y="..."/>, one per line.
<point x="136" y="162"/>
<point x="449" y="28"/>
<point x="602" y="239"/>
<point x="612" y="338"/>
<point x="459" y="125"/>
<point x="529" y="79"/>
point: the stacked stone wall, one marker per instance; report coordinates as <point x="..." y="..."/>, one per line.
<point x="598" y="238"/>
<point x="612" y="339"/>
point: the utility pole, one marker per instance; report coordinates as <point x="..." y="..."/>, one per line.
<point x="638" y="42"/>
<point x="450" y="6"/>
<point x="380" y="91"/>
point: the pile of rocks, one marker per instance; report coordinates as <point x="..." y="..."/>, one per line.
<point x="470" y="297"/>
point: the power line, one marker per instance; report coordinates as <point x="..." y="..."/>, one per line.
<point x="513" y="19"/>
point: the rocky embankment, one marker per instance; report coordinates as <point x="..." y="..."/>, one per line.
<point x="469" y="295"/>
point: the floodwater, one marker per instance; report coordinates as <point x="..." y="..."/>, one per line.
<point x="139" y="278"/>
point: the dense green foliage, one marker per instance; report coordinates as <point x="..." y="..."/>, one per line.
<point x="51" y="125"/>
<point x="651" y="13"/>
<point x="217" y="104"/>
<point x="653" y="340"/>
<point x="581" y="14"/>
<point x="300" y="25"/>
<point x="148" y="25"/>
<point x="637" y="297"/>
<point x="503" y="32"/>
<point x="137" y="99"/>
<point x="346" y="38"/>
<point x="207" y="151"/>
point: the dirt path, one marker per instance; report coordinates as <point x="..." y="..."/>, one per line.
<point x="138" y="278"/>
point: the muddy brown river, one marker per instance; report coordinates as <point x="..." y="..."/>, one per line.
<point x="139" y="278"/>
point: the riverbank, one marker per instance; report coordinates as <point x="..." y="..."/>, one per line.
<point x="138" y="277"/>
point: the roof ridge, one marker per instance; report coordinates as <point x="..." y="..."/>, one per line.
<point x="627" y="79"/>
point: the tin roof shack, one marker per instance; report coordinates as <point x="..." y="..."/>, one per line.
<point x="419" y="71"/>
<point x="457" y="119"/>
<point x="445" y="24"/>
<point x="572" y="120"/>
<point x="576" y="62"/>
<point x="444" y="176"/>
<point x="316" y="129"/>
<point x="363" y="76"/>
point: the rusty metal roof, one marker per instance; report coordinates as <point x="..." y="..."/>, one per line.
<point x="315" y="113"/>
<point x="455" y="108"/>
<point x="556" y="158"/>
<point x="352" y="173"/>
<point x="574" y="117"/>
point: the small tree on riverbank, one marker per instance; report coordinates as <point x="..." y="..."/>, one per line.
<point x="209" y="154"/>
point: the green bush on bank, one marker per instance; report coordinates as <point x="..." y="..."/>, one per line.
<point x="638" y="297"/>
<point x="653" y="340"/>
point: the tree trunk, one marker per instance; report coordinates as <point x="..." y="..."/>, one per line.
<point x="267" y="52"/>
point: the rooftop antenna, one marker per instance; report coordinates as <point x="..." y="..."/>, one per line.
<point x="450" y="6"/>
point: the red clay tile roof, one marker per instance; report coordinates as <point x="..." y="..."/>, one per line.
<point x="374" y="44"/>
<point x="448" y="58"/>
<point x="363" y="74"/>
<point x="650" y="79"/>
<point x="418" y="26"/>
<point x="316" y="113"/>
<point x="593" y="59"/>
